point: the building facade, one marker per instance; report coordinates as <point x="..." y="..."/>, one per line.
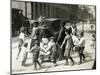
<point x="33" y="10"/>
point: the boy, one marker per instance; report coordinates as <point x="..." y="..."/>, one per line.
<point x="68" y="45"/>
<point x="35" y="50"/>
<point x="81" y="45"/>
<point x="35" y="33"/>
<point x="75" y="41"/>
<point x="24" y="53"/>
<point x="53" y="48"/>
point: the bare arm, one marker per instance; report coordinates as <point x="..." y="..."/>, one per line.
<point x="32" y="48"/>
<point x="63" y="42"/>
<point x="42" y="50"/>
<point x="49" y="47"/>
<point x="59" y="36"/>
<point x="33" y="33"/>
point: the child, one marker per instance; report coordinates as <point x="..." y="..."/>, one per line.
<point x="43" y="46"/>
<point x="81" y="45"/>
<point x="35" y="33"/>
<point x="68" y="45"/>
<point x="53" y="48"/>
<point x="24" y="54"/>
<point x="75" y="41"/>
<point x="21" y="40"/>
<point x="35" y="50"/>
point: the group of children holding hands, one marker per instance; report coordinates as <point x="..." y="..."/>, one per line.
<point x="70" y="41"/>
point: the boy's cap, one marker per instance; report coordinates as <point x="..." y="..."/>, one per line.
<point x="52" y="37"/>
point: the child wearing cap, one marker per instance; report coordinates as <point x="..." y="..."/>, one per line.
<point x="53" y="48"/>
<point x="35" y="50"/>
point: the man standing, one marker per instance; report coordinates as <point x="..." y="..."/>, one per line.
<point x="60" y="39"/>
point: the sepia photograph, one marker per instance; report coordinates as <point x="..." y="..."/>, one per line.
<point x="52" y="37"/>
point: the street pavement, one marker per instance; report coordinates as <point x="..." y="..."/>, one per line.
<point x="48" y="66"/>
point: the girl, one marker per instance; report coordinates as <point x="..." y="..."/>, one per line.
<point x="21" y="40"/>
<point x="68" y="45"/>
